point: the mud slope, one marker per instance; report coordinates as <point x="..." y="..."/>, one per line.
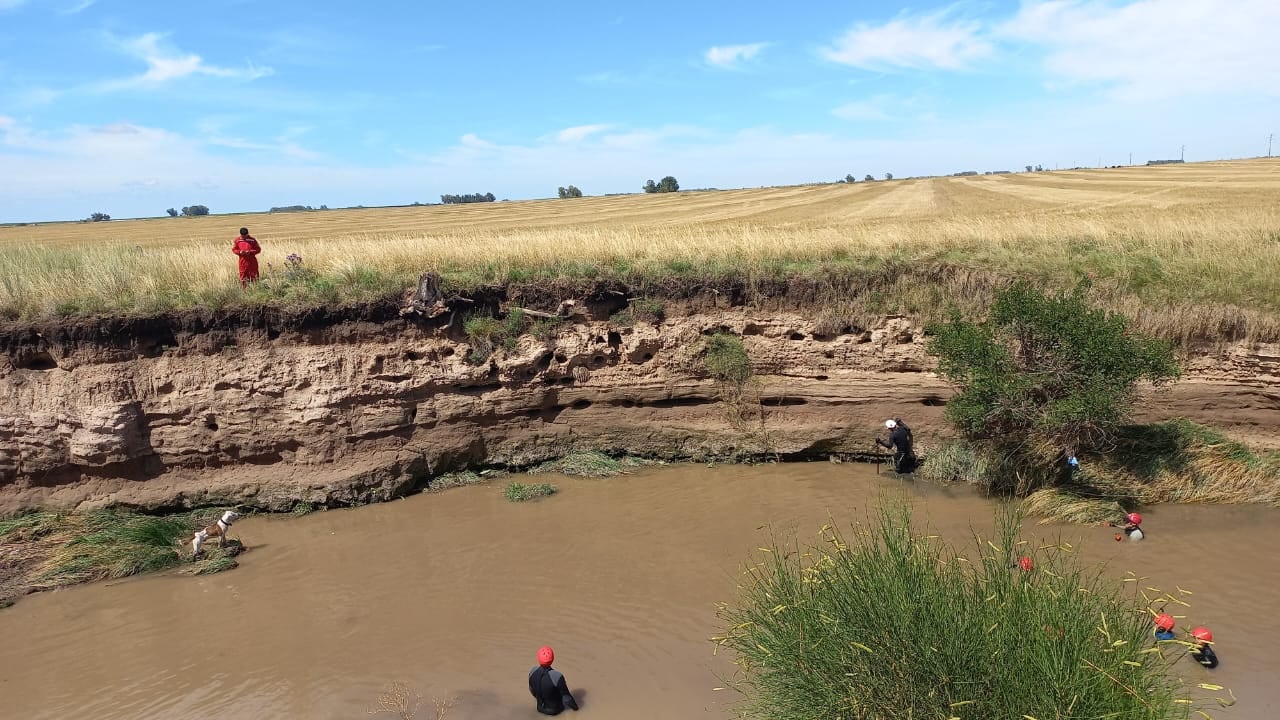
<point x="341" y="409"/>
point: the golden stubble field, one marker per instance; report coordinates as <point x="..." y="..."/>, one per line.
<point x="1206" y="233"/>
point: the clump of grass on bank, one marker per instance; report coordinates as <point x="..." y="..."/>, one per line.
<point x="57" y="549"/>
<point x="726" y="359"/>
<point x="889" y="624"/>
<point x="591" y="463"/>
<point x="101" y="544"/>
<point x="520" y="492"/>
<point x="486" y="334"/>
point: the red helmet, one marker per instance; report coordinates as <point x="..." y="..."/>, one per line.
<point x="546" y="656"/>
<point x="1134" y="518"/>
<point x="1164" y="621"/>
<point x="1025" y="563"/>
<point x="1202" y="634"/>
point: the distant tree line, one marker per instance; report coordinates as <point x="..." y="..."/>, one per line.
<point x="569" y="192"/>
<point x="99" y="217"/>
<point x="469" y="198"/>
<point x="295" y="208"/>
<point x="666" y="184"/>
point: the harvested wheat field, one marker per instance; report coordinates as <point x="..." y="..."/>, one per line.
<point x="1189" y="249"/>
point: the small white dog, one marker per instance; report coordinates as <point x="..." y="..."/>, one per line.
<point x="218" y="530"/>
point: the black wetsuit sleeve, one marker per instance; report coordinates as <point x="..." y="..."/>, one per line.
<point x="565" y="695"/>
<point x="1207" y="657"/>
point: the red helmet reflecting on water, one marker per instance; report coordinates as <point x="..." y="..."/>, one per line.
<point x="1164" y="621"/>
<point x="1202" y="634"/>
<point x="1025" y="563"/>
<point x="546" y="656"/>
<point x="1134" y="518"/>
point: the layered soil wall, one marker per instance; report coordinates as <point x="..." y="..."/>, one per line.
<point x="364" y="405"/>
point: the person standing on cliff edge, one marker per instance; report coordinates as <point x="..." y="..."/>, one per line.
<point x="247" y="248"/>
<point x="548" y="686"/>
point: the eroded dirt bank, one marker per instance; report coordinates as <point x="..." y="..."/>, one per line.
<point x="339" y="409"/>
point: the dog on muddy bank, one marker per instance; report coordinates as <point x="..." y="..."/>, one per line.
<point x="219" y="530"/>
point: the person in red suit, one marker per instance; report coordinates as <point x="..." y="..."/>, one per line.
<point x="247" y="249"/>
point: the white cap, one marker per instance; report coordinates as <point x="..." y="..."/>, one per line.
<point x="890" y="424"/>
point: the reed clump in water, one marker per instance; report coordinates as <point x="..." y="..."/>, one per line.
<point x="886" y="623"/>
<point x="590" y="463"/>
<point x="520" y="492"/>
<point x="51" y="549"/>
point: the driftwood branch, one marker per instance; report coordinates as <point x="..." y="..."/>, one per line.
<point x="563" y="311"/>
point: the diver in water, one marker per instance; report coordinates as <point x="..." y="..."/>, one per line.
<point x="1204" y="653"/>
<point x="548" y="686"/>
<point x="1164" y="627"/>
<point x="1132" y="527"/>
<point x="900" y="441"/>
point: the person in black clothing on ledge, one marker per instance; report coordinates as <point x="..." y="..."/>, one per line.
<point x="548" y="686"/>
<point x="904" y="458"/>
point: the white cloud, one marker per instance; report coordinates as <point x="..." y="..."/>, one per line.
<point x="164" y="65"/>
<point x="1155" y="48"/>
<point x="10" y="4"/>
<point x="727" y="56"/>
<point x="870" y="109"/>
<point x="579" y="133"/>
<point x="907" y="41"/>
<point x="79" y="7"/>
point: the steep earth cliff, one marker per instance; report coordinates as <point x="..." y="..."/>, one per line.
<point x="353" y="408"/>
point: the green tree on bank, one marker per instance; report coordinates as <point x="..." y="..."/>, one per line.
<point x="1045" y="375"/>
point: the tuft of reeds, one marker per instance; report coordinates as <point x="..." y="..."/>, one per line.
<point x="590" y="463"/>
<point x="1067" y="506"/>
<point x="888" y="623"/>
<point x="112" y="544"/>
<point x="521" y="492"/>
<point x="54" y="549"/>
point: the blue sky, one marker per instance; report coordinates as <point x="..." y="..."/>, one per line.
<point x="133" y="107"/>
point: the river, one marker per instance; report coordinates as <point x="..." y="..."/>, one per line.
<point x="452" y="593"/>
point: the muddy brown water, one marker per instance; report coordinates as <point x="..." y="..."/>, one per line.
<point x="452" y="593"/>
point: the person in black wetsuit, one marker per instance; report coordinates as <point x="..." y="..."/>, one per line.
<point x="1204" y="653"/>
<point x="904" y="458"/>
<point x="548" y="686"/>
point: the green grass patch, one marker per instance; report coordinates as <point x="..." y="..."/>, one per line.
<point x="726" y="359"/>
<point x="887" y="623"/>
<point x="486" y="334"/>
<point x="114" y="544"/>
<point x="590" y="464"/>
<point x="522" y="492"/>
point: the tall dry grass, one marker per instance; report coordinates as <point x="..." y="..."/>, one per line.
<point x="1195" y="250"/>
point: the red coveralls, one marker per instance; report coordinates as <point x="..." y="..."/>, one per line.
<point x="246" y="247"/>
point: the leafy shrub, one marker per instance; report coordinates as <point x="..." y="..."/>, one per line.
<point x="1046" y="367"/>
